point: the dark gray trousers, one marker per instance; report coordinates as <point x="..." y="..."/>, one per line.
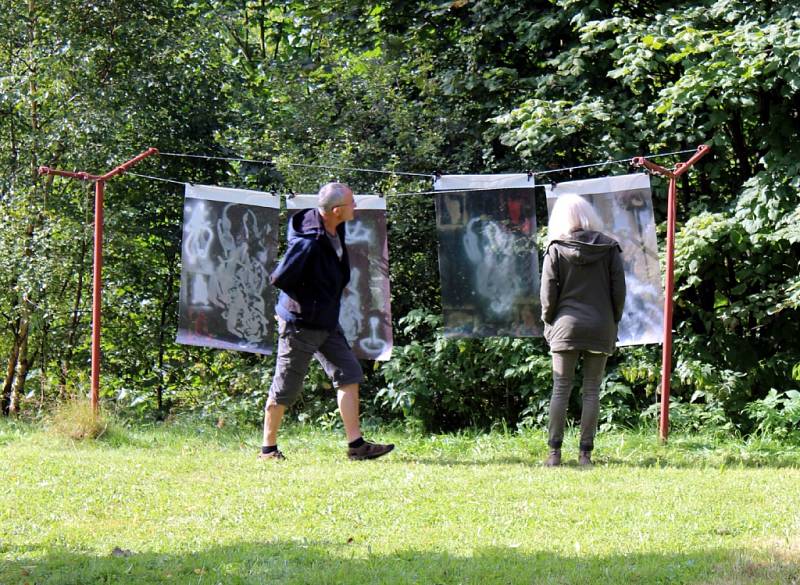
<point x="564" y="363"/>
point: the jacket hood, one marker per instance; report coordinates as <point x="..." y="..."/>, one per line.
<point x="584" y="247"/>
<point x="306" y="223"/>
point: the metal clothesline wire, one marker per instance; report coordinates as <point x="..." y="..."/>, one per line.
<point x="290" y="194"/>
<point x="365" y="170"/>
<point x="173" y="181"/>
<point x="156" y="178"/>
<point x="611" y="162"/>
<point x="301" y="165"/>
<point x="435" y="176"/>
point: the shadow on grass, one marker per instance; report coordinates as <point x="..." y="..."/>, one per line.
<point x="297" y="562"/>
<point x="723" y="460"/>
<point x="672" y="461"/>
<point x="448" y="461"/>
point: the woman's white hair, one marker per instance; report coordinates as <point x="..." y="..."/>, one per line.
<point x="571" y="213"/>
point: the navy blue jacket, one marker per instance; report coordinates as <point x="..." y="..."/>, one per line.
<point x="311" y="276"/>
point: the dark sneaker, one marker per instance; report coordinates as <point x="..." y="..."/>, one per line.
<point x="585" y="459"/>
<point x="368" y="451"/>
<point x="275" y="455"/>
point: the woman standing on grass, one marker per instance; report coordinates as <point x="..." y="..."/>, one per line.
<point x="582" y="294"/>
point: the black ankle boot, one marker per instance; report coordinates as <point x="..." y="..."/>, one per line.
<point x="554" y="459"/>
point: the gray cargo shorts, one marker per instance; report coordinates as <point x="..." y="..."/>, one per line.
<point x="296" y="346"/>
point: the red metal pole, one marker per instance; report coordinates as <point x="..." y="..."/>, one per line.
<point x="97" y="284"/>
<point x="666" y="349"/>
<point x="97" y="288"/>
<point x="126" y="165"/>
<point x="68" y="174"/>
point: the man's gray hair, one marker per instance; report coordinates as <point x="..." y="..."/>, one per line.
<point x="331" y="195"/>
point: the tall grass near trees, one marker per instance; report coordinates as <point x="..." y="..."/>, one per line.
<point x="191" y="504"/>
<point x="76" y="419"/>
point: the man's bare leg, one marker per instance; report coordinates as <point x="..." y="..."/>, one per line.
<point x="357" y="447"/>
<point x="347" y="397"/>
<point x="273" y="415"/>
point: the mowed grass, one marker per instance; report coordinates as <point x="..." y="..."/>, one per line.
<point x="191" y="504"/>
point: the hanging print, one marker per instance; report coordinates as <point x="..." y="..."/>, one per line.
<point x="365" y="315"/>
<point x="467" y="182"/>
<point x="229" y="248"/>
<point x="625" y="205"/>
<point x="488" y="260"/>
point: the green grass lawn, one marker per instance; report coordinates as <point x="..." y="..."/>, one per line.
<point x="186" y="504"/>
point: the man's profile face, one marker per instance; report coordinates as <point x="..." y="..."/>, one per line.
<point x="346" y="210"/>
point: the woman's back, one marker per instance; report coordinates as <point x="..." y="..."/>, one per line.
<point x="583" y="292"/>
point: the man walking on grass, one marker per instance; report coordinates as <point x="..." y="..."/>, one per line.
<point x="311" y="277"/>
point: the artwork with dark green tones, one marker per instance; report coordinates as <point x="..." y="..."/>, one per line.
<point x="488" y="262"/>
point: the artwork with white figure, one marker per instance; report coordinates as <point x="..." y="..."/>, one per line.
<point x="365" y="315"/>
<point x="625" y="205"/>
<point x="230" y="242"/>
<point x="488" y="261"/>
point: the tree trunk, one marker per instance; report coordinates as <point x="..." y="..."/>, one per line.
<point x="160" y="386"/>
<point x="261" y="32"/>
<point x="166" y="303"/>
<point x="44" y="382"/>
<point x="8" y="384"/>
<point x="735" y="128"/>
<point x="18" y="361"/>
<point x="75" y="321"/>
<point x="21" y="373"/>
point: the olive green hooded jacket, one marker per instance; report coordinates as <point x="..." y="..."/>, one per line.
<point x="582" y="292"/>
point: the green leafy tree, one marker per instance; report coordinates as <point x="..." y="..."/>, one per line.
<point x="722" y="73"/>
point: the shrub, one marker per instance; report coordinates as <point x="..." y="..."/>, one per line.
<point x="777" y="414"/>
<point x="448" y="384"/>
<point x="690" y="417"/>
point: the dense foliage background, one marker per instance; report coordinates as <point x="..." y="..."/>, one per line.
<point x="463" y="86"/>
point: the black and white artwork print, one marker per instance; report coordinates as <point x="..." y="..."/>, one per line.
<point x="488" y="262"/>
<point x="229" y="248"/>
<point x="365" y="315"/>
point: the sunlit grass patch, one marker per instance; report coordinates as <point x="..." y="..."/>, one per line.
<point x="190" y="503"/>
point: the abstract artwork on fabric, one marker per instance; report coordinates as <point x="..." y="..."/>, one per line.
<point x="230" y="242"/>
<point x="365" y="316"/>
<point x="488" y="261"/>
<point x="625" y="206"/>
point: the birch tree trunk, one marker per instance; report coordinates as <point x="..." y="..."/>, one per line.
<point x="23" y="365"/>
<point x="8" y="383"/>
